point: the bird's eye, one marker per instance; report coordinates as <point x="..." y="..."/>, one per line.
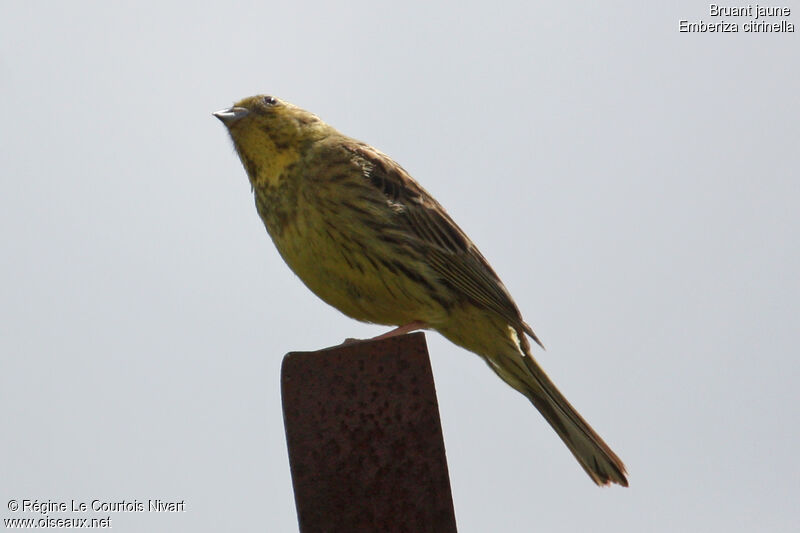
<point x="270" y="100"/>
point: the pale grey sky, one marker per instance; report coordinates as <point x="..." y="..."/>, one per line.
<point x="635" y="187"/>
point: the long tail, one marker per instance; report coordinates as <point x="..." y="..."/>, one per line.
<point x="593" y="454"/>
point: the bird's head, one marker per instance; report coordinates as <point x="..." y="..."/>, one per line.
<point x="270" y="134"/>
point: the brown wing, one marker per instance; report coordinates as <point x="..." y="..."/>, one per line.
<point x="446" y="246"/>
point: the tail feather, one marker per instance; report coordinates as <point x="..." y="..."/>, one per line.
<point x="593" y="454"/>
<point x="508" y="353"/>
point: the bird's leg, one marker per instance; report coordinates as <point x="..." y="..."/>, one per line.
<point x="400" y="330"/>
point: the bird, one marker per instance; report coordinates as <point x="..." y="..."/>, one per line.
<point x="367" y="239"/>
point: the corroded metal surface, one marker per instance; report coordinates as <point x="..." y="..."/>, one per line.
<point x="365" y="440"/>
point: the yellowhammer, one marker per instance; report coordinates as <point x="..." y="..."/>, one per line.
<point x="369" y="240"/>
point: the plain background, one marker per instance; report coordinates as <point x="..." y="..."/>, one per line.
<point x="635" y="187"/>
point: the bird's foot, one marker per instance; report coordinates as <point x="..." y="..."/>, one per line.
<point x="400" y="330"/>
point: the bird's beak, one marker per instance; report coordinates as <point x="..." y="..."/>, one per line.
<point x="231" y="115"/>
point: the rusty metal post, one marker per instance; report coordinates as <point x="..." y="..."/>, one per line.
<point x="365" y="440"/>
